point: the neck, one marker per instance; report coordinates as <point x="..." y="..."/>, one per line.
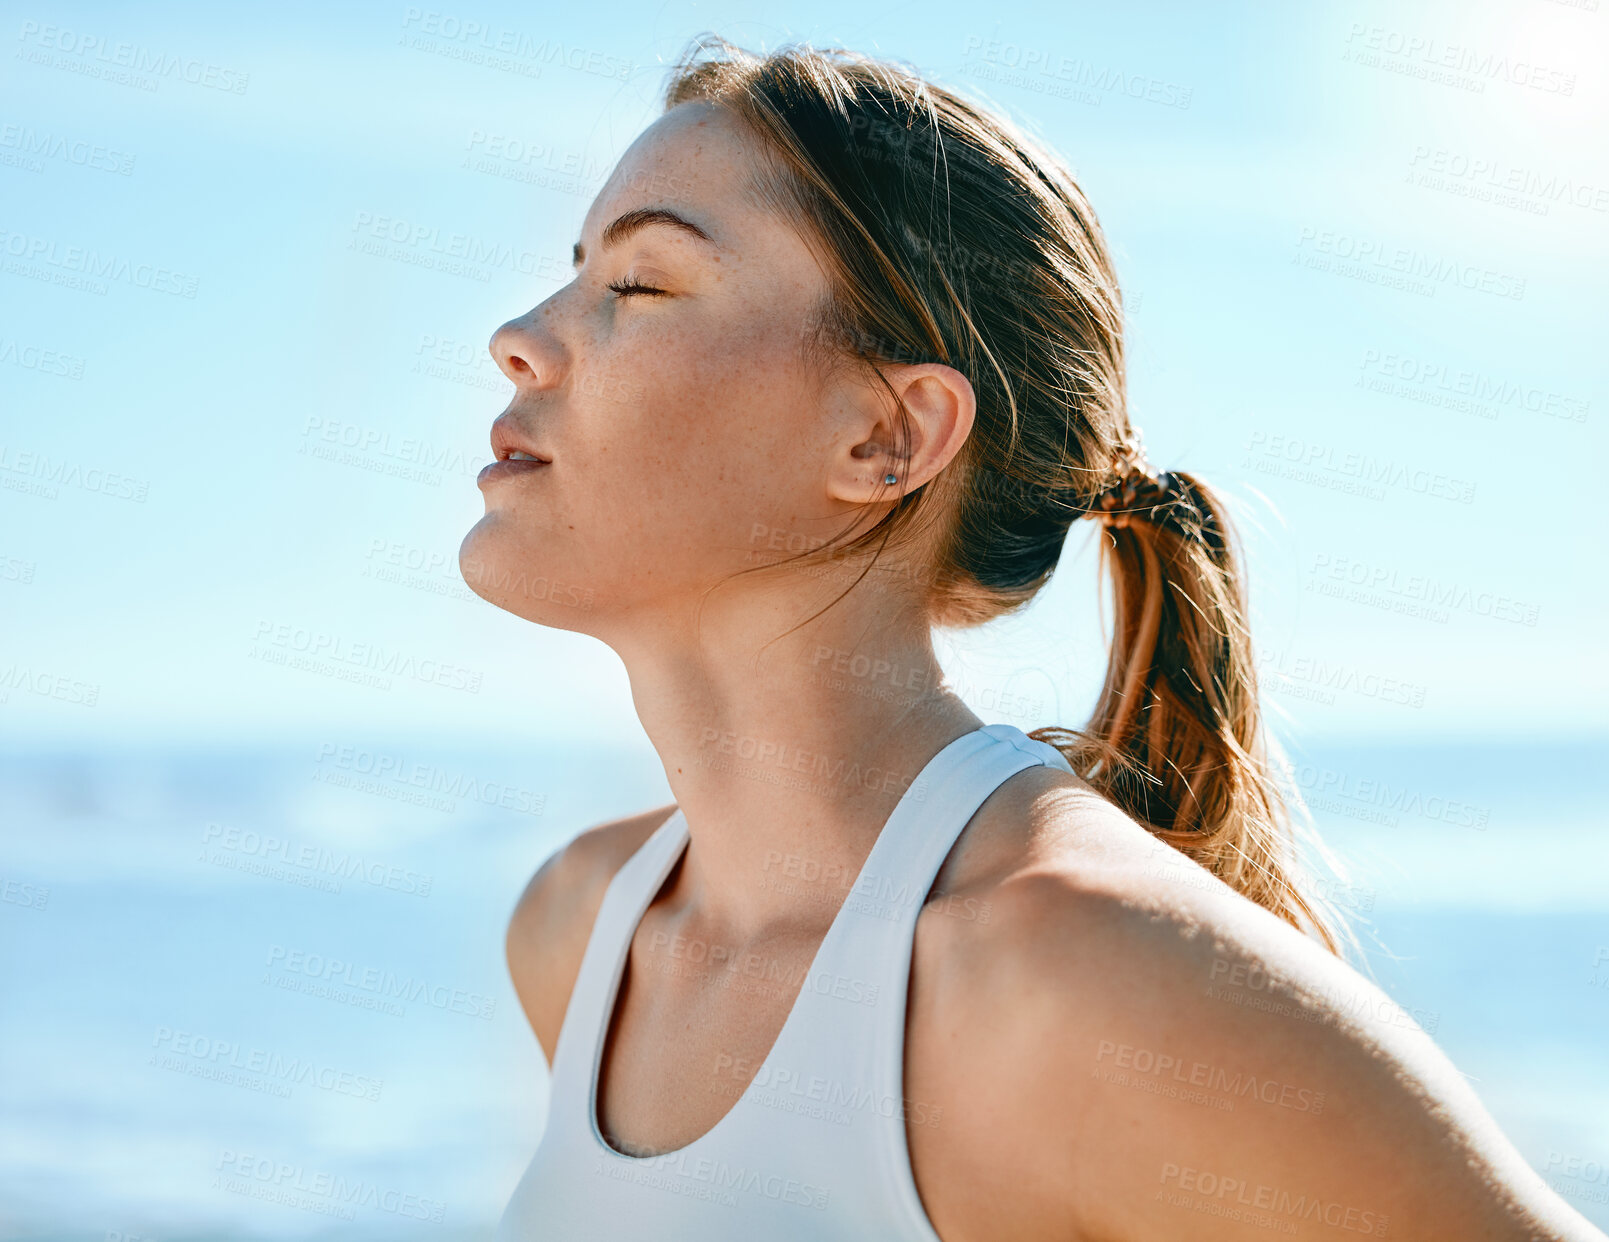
<point x="787" y="753"/>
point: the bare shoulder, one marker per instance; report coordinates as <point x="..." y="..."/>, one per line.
<point x="1147" y="1054"/>
<point x="552" y="920"/>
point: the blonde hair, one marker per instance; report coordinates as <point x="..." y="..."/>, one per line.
<point x="950" y="236"/>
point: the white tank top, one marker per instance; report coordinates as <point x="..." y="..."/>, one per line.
<point x="815" y="1147"/>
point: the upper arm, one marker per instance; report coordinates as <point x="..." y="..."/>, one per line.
<point x="552" y="920"/>
<point x="1203" y="1070"/>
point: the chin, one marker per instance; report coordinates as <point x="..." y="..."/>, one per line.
<point x="491" y="568"/>
<point x="513" y="576"/>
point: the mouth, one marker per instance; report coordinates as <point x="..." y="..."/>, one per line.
<point x="514" y="458"/>
<point x="516" y="464"/>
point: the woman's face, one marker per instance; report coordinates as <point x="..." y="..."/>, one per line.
<point x="684" y="437"/>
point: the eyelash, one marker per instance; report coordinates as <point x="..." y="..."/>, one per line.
<point x="625" y="288"/>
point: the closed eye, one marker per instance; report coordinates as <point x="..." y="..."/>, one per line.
<point x="625" y="288"/>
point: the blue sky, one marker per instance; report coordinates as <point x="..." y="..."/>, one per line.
<point x="1365" y="248"/>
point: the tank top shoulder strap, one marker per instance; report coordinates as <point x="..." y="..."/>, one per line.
<point x="880" y="913"/>
<point x="630" y="890"/>
<point x="847" y="1030"/>
<point x="1046" y="752"/>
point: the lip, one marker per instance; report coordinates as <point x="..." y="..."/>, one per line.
<point x="507" y="438"/>
<point x="508" y="468"/>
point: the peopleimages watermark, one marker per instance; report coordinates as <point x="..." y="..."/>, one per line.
<point x="823" y="772"/>
<point x="39" y="474"/>
<point x="1461" y="389"/>
<point x="1398" y="267"/>
<point x="17" y="569"/>
<point x="742" y="970"/>
<point x="1188" y="874"/>
<point x="1318" y="679"/>
<point x="876" y="677"/>
<point x="297" y="1185"/>
<point x="1418" y="595"/>
<point x="406" y="456"/>
<point x="1350" y="471"/>
<point x="1448" y="64"/>
<point x="384" y="987"/>
<point x="876" y="670"/>
<point x="792" y="546"/>
<point x="867" y="893"/>
<point x="1342" y="893"/>
<point x="507" y="584"/>
<point x="40" y="358"/>
<point x="47" y="685"/>
<point x="85" y="268"/>
<point x="470" y="363"/>
<point x="230" y="847"/>
<point x="416" y="781"/>
<point x="1261" y="1204"/>
<point x="24" y="893"/>
<point x="229" y="1062"/>
<point x="24" y="147"/>
<point x="498" y="47"/>
<point x="457" y="254"/>
<point x="534" y="163"/>
<point x="1578" y="1177"/>
<point x="1378" y="800"/>
<point x="685" y="1174"/>
<point x="1176" y="1075"/>
<point x="452" y="575"/>
<point x="799" y="1090"/>
<point x="1069" y="77"/>
<point x="1251" y="985"/>
<point x="126" y="64"/>
<point x="432" y="571"/>
<point x="458" y="362"/>
<point x="1487" y="179"/>
<point x="373" y="664"/>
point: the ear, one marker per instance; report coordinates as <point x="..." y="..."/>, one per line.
<point x="940" y="408"/>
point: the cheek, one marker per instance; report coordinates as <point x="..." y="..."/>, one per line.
<point x="698" y="508"/>
<point x="682" y="403"/>
<point x="691" y="439"/>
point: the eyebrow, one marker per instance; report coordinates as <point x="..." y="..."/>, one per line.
<point x="641" y="218"/>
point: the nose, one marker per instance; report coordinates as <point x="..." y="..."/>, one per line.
<point x="525" y="353"/>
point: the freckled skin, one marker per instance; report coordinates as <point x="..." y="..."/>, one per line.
<point x="666" y="417"/>
<point x="678" y="427"/>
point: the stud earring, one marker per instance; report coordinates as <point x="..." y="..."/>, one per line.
<point x="890" y="479"/>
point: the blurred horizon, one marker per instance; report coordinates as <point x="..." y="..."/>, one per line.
<point x="245" y="389"/>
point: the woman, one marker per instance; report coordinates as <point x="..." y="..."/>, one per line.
<point x="842" y="361"/>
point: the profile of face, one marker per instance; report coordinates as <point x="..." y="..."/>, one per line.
<point x="682" y="433"/>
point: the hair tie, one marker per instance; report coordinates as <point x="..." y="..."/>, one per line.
<point x="1138" y="492"/>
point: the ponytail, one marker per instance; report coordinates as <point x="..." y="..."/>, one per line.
<point x="992" y="261"/>
<point x="1177" y="739"/>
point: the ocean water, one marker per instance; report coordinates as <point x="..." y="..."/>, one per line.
<point x="262" y="995"/>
